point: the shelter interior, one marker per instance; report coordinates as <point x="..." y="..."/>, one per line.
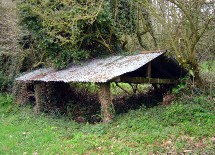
<point x="161" y="67"/>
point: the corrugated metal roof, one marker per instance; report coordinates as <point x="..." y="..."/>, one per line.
<point x="98" y="70"/>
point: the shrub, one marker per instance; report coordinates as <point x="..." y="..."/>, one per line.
<point x="6" y="100"/>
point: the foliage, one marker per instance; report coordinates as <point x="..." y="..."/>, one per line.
<point x="3" y="82"/>
<point x="9" y="50"/>
<point x="66" y="31"/>
<point x="61" y="32"/>
<point x="6" y="100"/>
<point x="188" y="87"/>
<point x="183" y="126"/>
<point x="184" y="29"/>
<point x="208" y="66"/>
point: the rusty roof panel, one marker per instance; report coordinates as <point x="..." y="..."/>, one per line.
<point x="98" y="70"/>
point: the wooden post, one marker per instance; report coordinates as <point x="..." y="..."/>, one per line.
<point x="22" y="97"/>
<point x="148" y="72"/>
<point x="105" y="99"/>
<point x="38" y="97"/>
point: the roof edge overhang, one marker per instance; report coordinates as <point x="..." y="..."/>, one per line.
<point x="98" y="70"/>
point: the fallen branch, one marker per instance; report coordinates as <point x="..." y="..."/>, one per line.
<point x="123" y="89"/>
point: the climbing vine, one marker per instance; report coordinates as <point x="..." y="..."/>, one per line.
<point x="66" y="31"/>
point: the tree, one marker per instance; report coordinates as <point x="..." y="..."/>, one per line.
<point x="183" y="24"/>
<point x="68" y="31"/>
<point x="9" y="49"/>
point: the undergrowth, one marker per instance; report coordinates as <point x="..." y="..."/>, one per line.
<point x="183" y="127"/>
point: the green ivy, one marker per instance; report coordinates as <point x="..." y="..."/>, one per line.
<point x="69" y="31"/>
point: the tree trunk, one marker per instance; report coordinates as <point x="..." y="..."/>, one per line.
<point x="105" y="99"/>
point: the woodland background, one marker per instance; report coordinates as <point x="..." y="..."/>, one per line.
<point x="41" y="33"/>
<point x="37" y="33"/>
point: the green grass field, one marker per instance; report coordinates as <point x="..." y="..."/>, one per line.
<point x="184" y="126"/>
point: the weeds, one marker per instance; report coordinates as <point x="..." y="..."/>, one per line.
<point x="181" y="127"/>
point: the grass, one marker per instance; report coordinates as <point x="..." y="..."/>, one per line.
<point x="208" y="66"/>
<point x="184" y="126"/>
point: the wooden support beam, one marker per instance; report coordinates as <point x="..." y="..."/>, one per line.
<point x="147" y="80"/>
<point x="22" y="96"/>
<point x="105" y="99"/>
<point x="149" y="70"/>
<point x="38" y="92"/>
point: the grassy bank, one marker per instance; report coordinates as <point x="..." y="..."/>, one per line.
<point x="181" y="127"/>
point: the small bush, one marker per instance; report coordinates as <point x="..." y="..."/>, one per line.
<point x="3" y="82"/>
<point x="6" y="100"/>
